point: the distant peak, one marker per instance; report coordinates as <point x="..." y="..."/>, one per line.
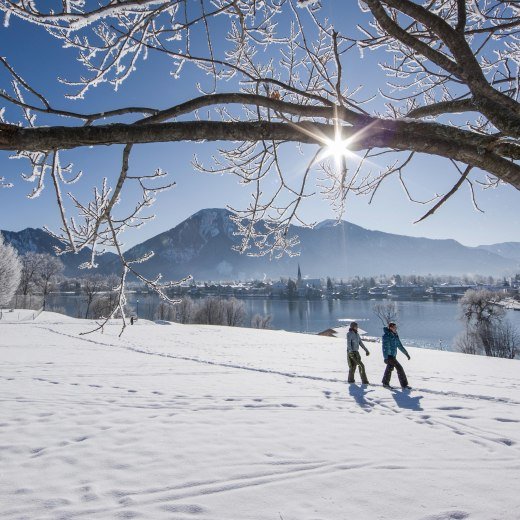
<point x="330" y="222"/>
<point x="207" y="211"/>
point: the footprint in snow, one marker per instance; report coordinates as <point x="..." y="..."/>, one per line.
<point x="23" y="491"/>
<point x="89" y="497"/>
<point x="127" y="514"/>
<point x="188" y="508"/>
<point x="35" y="451"/>
<point x="507" y="442"/>
<point x="448" y="515"/>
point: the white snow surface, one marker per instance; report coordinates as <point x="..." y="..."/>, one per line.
<point x="183" y="421"/>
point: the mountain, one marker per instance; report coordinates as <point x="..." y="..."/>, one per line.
<point x="202" y="246"/>
<point x="505" y="249"/>
<point x="38" y="241"/>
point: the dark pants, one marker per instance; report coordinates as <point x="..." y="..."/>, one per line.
<point x="354" y="360"/>
<point x="392" y="363"/>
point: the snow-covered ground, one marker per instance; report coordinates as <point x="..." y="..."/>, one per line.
<point x="184" y="421"/>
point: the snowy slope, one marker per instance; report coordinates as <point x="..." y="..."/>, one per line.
<point x="183" y="421"/>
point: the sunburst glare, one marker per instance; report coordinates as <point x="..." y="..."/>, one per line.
<point x="338" y="148"/>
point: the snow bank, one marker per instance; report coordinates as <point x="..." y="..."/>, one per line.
<point x="210" y="422"/>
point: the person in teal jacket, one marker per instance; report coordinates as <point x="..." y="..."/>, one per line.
<point x="391" y="343"/>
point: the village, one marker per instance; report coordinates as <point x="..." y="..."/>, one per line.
<point x="395" y="288"/>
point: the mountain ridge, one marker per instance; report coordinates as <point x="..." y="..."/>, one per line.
<point x="202" y="245"/>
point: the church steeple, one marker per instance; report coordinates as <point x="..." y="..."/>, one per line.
<point x="299" y="274"/>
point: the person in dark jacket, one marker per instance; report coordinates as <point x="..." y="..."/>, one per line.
<point x="391" y="343"/>
<point x="353" y="355"/>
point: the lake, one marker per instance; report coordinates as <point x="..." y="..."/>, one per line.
<point x="426" y="324"/>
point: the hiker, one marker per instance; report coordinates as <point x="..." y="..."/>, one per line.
<point x="353" y="355"/>
<point x="391" y="343"/>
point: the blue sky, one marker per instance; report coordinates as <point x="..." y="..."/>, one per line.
<point x="40" y="58"/>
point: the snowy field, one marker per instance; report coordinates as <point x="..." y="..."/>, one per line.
<point x="182" y="421"/>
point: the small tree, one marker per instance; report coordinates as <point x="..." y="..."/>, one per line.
<point x="184" y="310"/>
<point x="209" y="312"/>
<point x="49" y="268"/>
<point x="10" y="271"/>
<point x="90" y="286"/>
<point x="509" y="344"/>
<point x="468" y="342"/>
<point x="482" y="315"/>
<point x="234" y="312"/>
<point x="29" y="273"/>
<point x="502" y="340"/>
<point x="261" y="322"/>
<point x="486" y="330"/>
<point x="386" y="312"/>
<point x="106" y="303"/>
<point x="481" y="307"/>
<point x="165" y="311"/>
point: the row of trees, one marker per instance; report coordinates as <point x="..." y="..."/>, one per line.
<point x="209" y="311"/>
<point x="424" y="280"/>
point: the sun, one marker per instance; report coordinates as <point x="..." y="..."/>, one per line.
<point x="337" y="147"/>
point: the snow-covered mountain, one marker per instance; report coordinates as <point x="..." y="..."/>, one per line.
<point x="202" y="246"/>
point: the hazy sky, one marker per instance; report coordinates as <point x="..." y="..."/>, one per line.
<point x="40" y="58"/>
